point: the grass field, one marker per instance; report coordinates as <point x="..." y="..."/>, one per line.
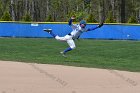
<point x="108" y="54"/>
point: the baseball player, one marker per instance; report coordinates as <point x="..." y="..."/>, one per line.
<point x="77" y="30"/>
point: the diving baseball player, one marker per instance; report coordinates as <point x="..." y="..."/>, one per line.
<point x="77" y="30"/>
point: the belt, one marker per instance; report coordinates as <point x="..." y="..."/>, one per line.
<point x="72" y="37"/>
<point x="70" y="34"/>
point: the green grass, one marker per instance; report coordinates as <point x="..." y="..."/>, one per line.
<point x="108" y="54"/>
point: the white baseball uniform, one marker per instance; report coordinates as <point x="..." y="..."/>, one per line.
<point x="75" y="34"/>
<point x="77" y="30"/>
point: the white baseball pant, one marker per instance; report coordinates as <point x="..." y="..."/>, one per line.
<point x="68" y="39"/>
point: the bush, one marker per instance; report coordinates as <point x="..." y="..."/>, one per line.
<point x="49" y="19"/>
<point x="6" y="17"/>
<point x="110" y="18"/>
<point x="132" y="19"/>
<point x="79" y="15"/>
<point x="91" y="19"/>
<point x="27" y="18"/>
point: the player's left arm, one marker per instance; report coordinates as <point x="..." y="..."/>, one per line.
<point x="71" y="20"/>
<point x="74" y="26"/>
<point x="93" y="28"/>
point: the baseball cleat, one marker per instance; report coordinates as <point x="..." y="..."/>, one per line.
<point x="47" y="30"/>
<point x="63" y="54"/>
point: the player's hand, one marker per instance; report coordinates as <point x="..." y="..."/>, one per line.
<point x="73" y="17"/>
<point x="100" y="25"/>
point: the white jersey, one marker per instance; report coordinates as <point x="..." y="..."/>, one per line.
<point x="77" y="31"/>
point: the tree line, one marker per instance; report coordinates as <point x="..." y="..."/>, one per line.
<point x="114" y="11"/>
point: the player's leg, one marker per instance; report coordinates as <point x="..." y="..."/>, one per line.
<point x="65" y="38"/>
<point x="56" y="36"/>
<point x="50" y="32"/>
<point x="61" y="38"/>
<point x="72" y="46"/>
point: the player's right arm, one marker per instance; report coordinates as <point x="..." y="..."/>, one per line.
<point x="93" y="28"/>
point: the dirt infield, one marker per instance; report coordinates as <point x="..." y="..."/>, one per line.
<point x="16" y="77"/>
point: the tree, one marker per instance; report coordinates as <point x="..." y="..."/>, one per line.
<point x="1" y="8"/>
<point x="12" y="10"/>
<point x="122" y="11"/>
<point x="61" y="10"/>
<point x="101" y="10"/>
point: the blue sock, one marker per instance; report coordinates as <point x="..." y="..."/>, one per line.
<point x="52" y="34"/>
<point x="68" y="49"/>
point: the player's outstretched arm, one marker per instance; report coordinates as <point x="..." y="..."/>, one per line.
<point x="71" y="19"/>
<point x="93" y="28"/>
